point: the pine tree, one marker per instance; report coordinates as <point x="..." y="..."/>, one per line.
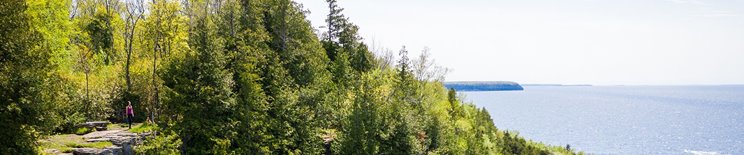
<point x="247" y="57"/>
<point x="405" y="82"/>
<point x="238" y="77"/>
<point x="362" y="133"/>
<point x="335" y="20"/>
<point x="198" y="88"/>
<point x="342" y="37"/>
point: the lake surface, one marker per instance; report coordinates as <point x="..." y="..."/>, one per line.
<point x="623" y="119"/>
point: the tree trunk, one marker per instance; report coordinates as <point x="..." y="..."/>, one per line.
<point x="87" y="96"/>
<point x="156" y="50"/>
<point x="126" y="67"/>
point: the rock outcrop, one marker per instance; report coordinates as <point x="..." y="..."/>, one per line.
<point x="124" y="142"/>
<point x="98" y="125"/>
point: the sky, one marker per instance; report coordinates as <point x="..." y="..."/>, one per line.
<point x="600" y="42"/>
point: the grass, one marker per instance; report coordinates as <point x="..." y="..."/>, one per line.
<point x="98" y="145"/>
<point x="59" y="142"/>
<point x="143" y="127"/>
<point x="66" y="142"/>
<point x="82" y="131"/>
<point x="112" y="126"/>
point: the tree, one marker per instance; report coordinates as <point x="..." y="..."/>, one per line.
<point x="292" y="66"/>
<point x="134" y="12"/>
<point x="342" y="36"/>
<point x="166" y="36"/>
<point x="406" y="83"/>
<point x="425" y="69"/>
<point x="97" y="19"/>
<point x="246" y="50"/>
<point x="335" y="20"/>
<point x="102" y="38"/>
<point x="362" y="134"/>
<point x="228" y="77"/>
<point x="198" y="90"/>
<point x="94" y="51"/>
<point x="454" y="104"/>
<point x="24" y="99"/>
<point x="84" y="61"/>
<point x="51" y="20"/>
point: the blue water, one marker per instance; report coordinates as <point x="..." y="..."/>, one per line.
<point x="623" y="119"/>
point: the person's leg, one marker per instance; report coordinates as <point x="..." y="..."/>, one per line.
<point x="129" y="118"/>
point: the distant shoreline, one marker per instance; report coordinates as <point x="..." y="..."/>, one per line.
<point x="514" y="86"/>
<point x="484" y="86"/>
<point x="570" y="85"/>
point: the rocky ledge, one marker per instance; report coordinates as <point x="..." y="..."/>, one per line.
<point x="123" y="142"/>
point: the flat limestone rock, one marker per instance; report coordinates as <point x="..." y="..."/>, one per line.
<point x="98" y="125"/>
<point x="98" y="140"/>
<point x="91" y="151"/>
<point x="116" y="150"/>
<point x="52" y="151"/>
<point x="111" y="150"/>
<point x="99" y="134"/>
<point x="123" y="141"/>
<point x="126" y="134"/>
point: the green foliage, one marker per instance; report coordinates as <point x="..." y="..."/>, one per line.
<point x="164" y="40"/>
<point x="25" y="99"/>
<point x="82" y="130"/>
<point x="227" y="77"/>
<point x="102" y="38"/>
<point x="98" y="145"/>
<point x="362" y="133"/>
<point x="342" y="37"/>
<point x="89" y="65"/>
<point x="50" y="19"/>
<point x="198" y="90"/>
<point x="165" y="143"/>
<point x="66" y="142"/>
<point x="144" y="127"/>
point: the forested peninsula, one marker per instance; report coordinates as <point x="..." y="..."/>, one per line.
<point x="227" y="77"/>
<point x="484" y="86"/>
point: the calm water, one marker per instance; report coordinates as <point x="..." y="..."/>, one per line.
<point x="624" y="119"/>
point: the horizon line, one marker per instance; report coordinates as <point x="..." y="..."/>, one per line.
<point x="588" y="84"/>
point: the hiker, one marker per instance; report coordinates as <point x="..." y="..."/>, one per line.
<point x="130" y="114"/>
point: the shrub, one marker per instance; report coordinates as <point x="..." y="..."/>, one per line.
<point x="82" y="130"/>
<point x="144" y="127"/>
<point x="168" y="143"/>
